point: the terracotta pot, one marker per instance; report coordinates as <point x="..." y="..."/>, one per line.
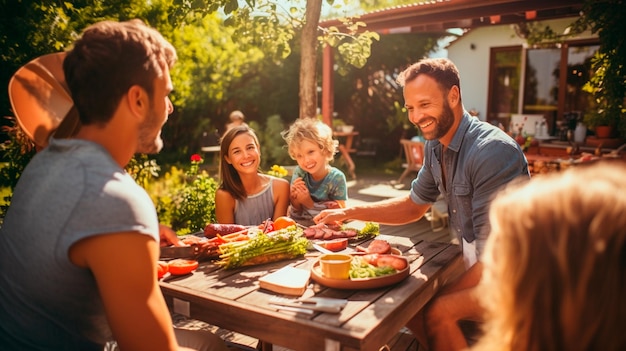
<point x="603" y="132"/>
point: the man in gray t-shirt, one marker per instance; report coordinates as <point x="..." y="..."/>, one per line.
<point x="80" y="242"/>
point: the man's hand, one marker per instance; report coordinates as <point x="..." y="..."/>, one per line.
<point x="169" y="237"/>
<point x="331" y="216"/>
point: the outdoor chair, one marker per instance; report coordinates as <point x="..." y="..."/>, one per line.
<point x="438" y="215"/>
<point x="414" y="156"/>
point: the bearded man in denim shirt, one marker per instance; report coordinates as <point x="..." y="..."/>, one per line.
<point x="466" y="161"/>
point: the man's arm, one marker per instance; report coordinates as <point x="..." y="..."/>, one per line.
<point x="394" y="211"/>
<point x="124" y="266"/>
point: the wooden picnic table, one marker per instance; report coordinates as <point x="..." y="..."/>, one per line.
<point x="232" y="299"/>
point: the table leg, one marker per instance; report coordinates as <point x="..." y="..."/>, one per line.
<point x="264" y="346"/>
<point x="345" y="153"/>
<point x="331" y="345"/>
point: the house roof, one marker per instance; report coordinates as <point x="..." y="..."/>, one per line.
<point x="437" y="15"/>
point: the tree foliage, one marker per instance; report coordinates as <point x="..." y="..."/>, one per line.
<point x="369" y="5"/>
<point x="207" y="77"/>
<point x="227" y="49"/>
<point x="608" y="86"/>
<point x="369" y="96"/>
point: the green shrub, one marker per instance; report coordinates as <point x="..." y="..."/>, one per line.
<point x="273" y="147"/>
<point x="185" y="200"/>
<point x="17" y="150"/>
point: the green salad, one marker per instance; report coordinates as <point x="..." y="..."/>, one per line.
<point x="361" y="269"/>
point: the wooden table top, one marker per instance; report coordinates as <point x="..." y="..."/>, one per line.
<point x="232" y="299"/>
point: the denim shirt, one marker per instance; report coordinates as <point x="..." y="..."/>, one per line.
<point x="480" y="159"/>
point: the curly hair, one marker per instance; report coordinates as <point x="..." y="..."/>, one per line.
<point x="555" y="263"/>
<point x="313" y="130"/>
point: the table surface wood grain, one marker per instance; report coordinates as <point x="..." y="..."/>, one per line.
<point x="232" y="299"/>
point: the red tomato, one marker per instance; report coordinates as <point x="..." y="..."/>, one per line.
<point x="335" y="244"/>
<point x="283" y="222"/>
<point x="162" y="269"/>
<point x="181" y="266"/>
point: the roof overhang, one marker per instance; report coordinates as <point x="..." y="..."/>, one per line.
<point x="438" y="15"/>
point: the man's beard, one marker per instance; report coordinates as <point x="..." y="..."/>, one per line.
<point x="444" y="123"/>
<point x="148" y="142"/>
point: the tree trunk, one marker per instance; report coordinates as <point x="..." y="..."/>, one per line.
<point x="308" y="60"/>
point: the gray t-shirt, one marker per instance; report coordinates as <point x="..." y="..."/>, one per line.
<point x="69" y="191"/>
<point x="255" y="209"/>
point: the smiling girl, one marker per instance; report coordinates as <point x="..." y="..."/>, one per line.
<point x="246" y="196"/>
<point x="315" y="184"/>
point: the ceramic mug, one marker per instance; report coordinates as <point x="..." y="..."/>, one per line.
<point x="336" y="266"/>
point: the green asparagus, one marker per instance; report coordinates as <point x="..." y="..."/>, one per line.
<point x="263" y="248"/>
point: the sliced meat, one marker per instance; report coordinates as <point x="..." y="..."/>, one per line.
<point x="349" y="233"/>
<point x="329" y="234"/>
<point x="310" y="232"/>
<point x="338" y="234"/>
<point x="334" y="226"/>
<point x="378" y="246"/>
<point x="319" y="233"/>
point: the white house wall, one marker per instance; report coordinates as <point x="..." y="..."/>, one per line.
<point x="470" y="53"/>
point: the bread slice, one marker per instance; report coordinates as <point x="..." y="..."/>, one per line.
<point x="287" y="280"/>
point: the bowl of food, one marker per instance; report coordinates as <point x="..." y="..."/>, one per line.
<point x="335" y="266"/>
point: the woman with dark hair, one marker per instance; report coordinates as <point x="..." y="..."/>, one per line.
<point x="245" y="195"/>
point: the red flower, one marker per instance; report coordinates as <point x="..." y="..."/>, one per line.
<point x="196" y="158"/>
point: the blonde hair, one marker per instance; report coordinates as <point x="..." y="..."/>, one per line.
<point x="555" y="263"/>
<point x="313" y="130"/>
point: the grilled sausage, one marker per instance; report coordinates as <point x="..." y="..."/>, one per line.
<point x="213" y="229"/>
<point x="396" y="262"/>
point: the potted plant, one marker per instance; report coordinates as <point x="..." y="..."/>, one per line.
<point x="607" y="84"/>
<point x="605" y="107"/>
<point x="600" y="122"/>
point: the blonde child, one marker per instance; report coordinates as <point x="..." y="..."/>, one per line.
<point x="245" y="195"/>
<point x="315" y="185"/>
<point x="555" y="268"/>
